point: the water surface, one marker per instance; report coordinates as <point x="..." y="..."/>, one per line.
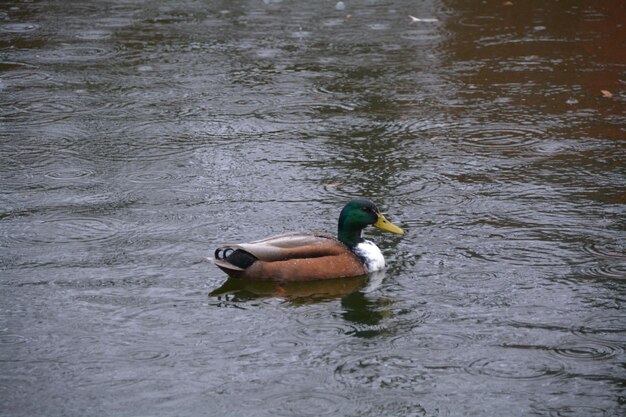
<point x="137" y="136"/>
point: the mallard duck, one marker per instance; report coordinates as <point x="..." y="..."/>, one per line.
<point x="311" y="256"/>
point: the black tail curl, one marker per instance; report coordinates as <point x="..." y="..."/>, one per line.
<point x="237" y="257"/>
<point x="222" y="253"/>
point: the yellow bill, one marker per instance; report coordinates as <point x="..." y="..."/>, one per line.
<point x="387" y="226"/>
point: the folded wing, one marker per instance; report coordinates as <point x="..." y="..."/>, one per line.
<point x="294" y="256"/>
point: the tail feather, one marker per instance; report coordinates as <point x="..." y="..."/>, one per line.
<point x="225" y="266"/>
<point x="237" y="258"/>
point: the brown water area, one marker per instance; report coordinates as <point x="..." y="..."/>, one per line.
<point x="138" y="136"/>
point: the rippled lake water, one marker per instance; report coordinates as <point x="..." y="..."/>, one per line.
<point x="136" y="136"/>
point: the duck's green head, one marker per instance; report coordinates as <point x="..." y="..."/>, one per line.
<point x="357" y="215"/>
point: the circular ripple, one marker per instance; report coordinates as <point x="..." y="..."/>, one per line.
<point x="49" y="107"/>
<point x="577" y="410"/>
<point x="610" y="329"/>
<point x="604" y="271"/>
<point x="270" y="118"/>
<point x="308" y="403"/>
<point x="146" y="142"/>
<point x="512" y="368"/>
<point x="74" y="53"/>
<point x="531" y="254"/>
<point x="148" y="355"/>
<point x="148" y="177"/>
<point x="381" y="371"/>
<point x="284" y="345"/>
<point x="25" y="73"/>
<point x="40" y="109"/>
<point x="68" y="230"/>
<point x="315" y="331"/>
<point x="19" y="27"/>
<point x="587" y="350"/>
<point x="438" y="341"/>
<point x="610" y="259"/>
<point x="13" y="65"/>
<point x="501" y="138"/>
<point x="606" y="249"/>
<point x="152" y="315"/>
<point x="94" y="34"/>
<point x="432" y="190"/>
<point x="12" y="339"/>
<point x="472" y="278"/>
<point x="69" y="173"/>
<point x="115" y="22"/>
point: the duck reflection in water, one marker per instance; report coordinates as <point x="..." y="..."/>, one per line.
<point x="304" y="292"/>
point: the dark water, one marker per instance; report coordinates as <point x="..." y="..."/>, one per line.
<point x="136" y="136"/>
